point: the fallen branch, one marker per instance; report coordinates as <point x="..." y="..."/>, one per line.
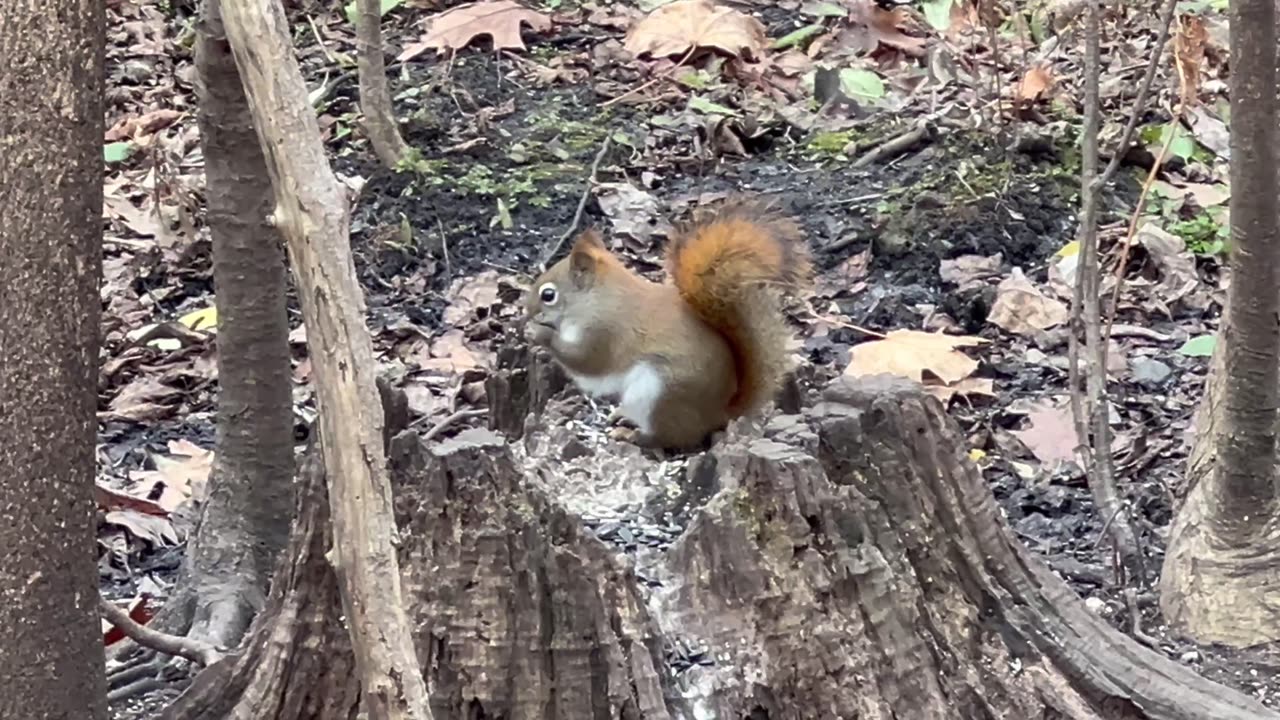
<point x="312" y="213"/>
<point x="196" y="651"/>
<point x="894" y="146"/>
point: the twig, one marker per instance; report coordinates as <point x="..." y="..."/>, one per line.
<point x="447" y="422"/>
<point x="1086" y="310"/>
<point x="1133" y="226"/>
<point x="582" y="202"/>
<point x="196" y="651"/>
<point x="1137" y="331"/>
<point x="839" y="323"/>
<point x="658" y="78"/>
<point x="894" y="146"/>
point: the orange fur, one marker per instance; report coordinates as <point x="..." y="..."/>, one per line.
<point x="729" y="268"/>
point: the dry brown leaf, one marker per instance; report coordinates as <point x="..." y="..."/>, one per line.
<point x="884" y="27"/>
<point x="153" y="529"/>
<point x="677" y="28"/>
<point x="458" y="27"/>
<point x="449" y="354"/>
<point x="469" y="295"/>
<point x="1021" y="308"/>
<point x="141" y="125"/>
<point x="911" y="354"/>
<point x="1051" y="436"/>
<point x="1034" y="84"/>
<point x="177" y="477"/>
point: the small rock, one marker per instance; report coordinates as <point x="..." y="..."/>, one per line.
<point x="1150" y="372"/>
<point x="1095" y="605"/>
<point x="1190" y="656"/>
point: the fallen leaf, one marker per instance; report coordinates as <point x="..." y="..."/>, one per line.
<point x="137" y="610"/>
<point x="1021" y="308"/>
<point x="911" y="354"/>
<point x="145" y="124"/>
<point x="177" y="477"/>
<point x="450" y="355"/>
<point x="154" y="529"/>
<point x="458" y="27"/>
<point x="885" y="27"/>
<point x="1199" y="346"/>
<point x="1209" y="131"/>
<point x="1051" y="434"/>
<point x="686" y="25"/>
<point x="1034" y="84"/>
<point x="471" y="295"/>
<point x="1177" y="265"/>
<point x="109" y="498"/>
<point x="967" y="386"/>
<point x="205" y="319"/>
<point x="969" y="270"/>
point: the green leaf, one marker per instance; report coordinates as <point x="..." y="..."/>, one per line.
<point x="387" y="6"/>
<point x="861" y="84"/>
<point x="702" y="105"/>
<point x="1183" y="145"/>
<point x="1199" y="346"/>
<point x="938" y="13"/>
<point x="797" y="37"/>
<point x="117" y="152"/>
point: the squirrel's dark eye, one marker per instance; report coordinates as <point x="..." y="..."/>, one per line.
<point x="547" y="294"/>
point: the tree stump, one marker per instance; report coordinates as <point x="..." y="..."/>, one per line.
<point x="849" y="562"/>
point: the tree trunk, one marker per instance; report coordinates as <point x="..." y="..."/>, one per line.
<point x="51" y="128"/>
<point x="375" y="96"/>
<point x="244" y="523"/>
<point x="311" y="211"/>
<point x="854" y="564"/>
<point x="1221" y="580"/>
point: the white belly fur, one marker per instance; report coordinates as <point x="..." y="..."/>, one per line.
<point x="638" y="388"/>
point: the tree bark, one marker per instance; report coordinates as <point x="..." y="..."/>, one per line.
<point x="375" y="96"/>
<point x="312" y="213"/>
<point x="51" y="129"/>
<point x="1221" y="580"/>
<point x="244" y="523"/>
<point x="851" y="564"/>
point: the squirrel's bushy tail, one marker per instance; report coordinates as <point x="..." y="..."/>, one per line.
<point x="732" y="268"/>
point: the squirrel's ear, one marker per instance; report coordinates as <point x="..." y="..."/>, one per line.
<point x="584" y="257"/>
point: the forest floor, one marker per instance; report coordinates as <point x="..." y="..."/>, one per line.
<point x="968" y="230"/>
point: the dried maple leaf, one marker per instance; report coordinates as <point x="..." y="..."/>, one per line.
<point x="911" y="353"/>
<point x="682" y="26"/>
<point x="872" y="25"/>
<point x="458" y="27"/>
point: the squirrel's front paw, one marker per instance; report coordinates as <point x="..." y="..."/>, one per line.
<point x="623" y="433"/>
<point x="617" y="418"/>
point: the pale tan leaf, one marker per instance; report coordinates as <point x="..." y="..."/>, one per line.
<point x="1051" y="434"/>
<point x="911" y="354"/>
<point x="458" y="27"/>
<point x="1021" y="308"/>
<point x="677" y="28"/>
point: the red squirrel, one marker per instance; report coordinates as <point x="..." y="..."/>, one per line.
<point x="687" y="356"/>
